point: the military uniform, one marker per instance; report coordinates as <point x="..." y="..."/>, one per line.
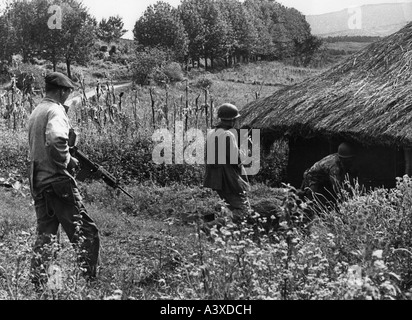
<point x="324" y="178"/>
<point x="223" y="174"/>
<point x="54" y="190"/>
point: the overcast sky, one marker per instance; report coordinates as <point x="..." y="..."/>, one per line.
<point x="131" y="10"/>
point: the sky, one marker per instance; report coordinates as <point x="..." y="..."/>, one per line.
<point x="132" y="10"/>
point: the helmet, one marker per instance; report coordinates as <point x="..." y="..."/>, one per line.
<point x="228" y="111"/>
<point x="345" y="150"/>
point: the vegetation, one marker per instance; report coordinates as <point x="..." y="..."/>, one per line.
<point x="361" y="251"/>
<point x="111" y="29"/>
<point x="227" y="30"/>
<point x="358" y="251"/>
<point x="366" y="39"/>
<point x="152" y="246"/>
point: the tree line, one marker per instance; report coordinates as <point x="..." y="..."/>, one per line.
<point x="57" y="31"/>
<point x="229" y="30"/>
<point x="207" y="30"/>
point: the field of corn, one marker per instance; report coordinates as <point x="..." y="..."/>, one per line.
<point x="152" y="246"/>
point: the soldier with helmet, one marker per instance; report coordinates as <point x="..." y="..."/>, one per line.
<point x="56" y="195"/>
<point x="224" y="170"/>
<point x="324" y="179"/>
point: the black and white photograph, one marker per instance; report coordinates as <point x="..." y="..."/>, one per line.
<point x="205" y="156"/>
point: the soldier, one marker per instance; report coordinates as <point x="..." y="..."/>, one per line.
<point x="324" y="179"/>
<point x="224" y="170"/>
<point x="54" y="189"/>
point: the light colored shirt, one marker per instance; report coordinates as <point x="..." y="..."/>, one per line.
<point x="48" y="141"/>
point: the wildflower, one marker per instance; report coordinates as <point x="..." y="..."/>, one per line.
<point x="377" y="254"/>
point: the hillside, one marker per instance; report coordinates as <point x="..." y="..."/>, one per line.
<point x="373" y="20"/>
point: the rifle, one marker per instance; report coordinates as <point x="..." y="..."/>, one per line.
<point x="88" y="167"/>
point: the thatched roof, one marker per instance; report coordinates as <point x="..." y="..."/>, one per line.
<point x="366" y="97"/>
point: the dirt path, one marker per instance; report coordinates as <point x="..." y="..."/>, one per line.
<point x="76" y="101"/>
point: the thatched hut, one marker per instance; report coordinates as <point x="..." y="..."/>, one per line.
<point x="366" y="99"/>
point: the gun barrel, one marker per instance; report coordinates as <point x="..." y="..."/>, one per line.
<point x="107" y="177"/>
<point x="125" y="192"/>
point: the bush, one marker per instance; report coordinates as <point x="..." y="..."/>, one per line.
<point x="174" y="72"/>
<point x="147" y="61"/>
<point x="203" y="83"/>
<point x="24" y="76"/>
<point x="273" y="165"/>
<point x="131" y="159"/>
<point x="119" y="58"/>
<point x="113" y="50"/>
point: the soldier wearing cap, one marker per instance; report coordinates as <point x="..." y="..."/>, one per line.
<point x="324" y="179"/>
<point x="54" y="189"/>
<point x="223" y="166"/>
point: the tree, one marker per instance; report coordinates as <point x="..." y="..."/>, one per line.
<point x="193" y="24"/>
<point x="306" y="49"/>
<point x="216" y="28"/>
<point x="74" y="41"/>
<point x="241" y="32"/>
<point x="206" y="28"/>
<point x="16" y="29"/>
<point x="256" y="11"/>
<point x="148" y="60"/>
<point x="279" y="29"/>
<point x="161" y="26"/>
<point x="111" y="29"/>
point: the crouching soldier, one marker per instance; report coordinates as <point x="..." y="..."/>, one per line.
<point x="223" y="167"/>
<point x="56" y="195"/>
<point x="324" y="180"/>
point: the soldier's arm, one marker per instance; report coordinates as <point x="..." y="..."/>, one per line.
<point x="335" y="179"/>
<point x="57" y="136"/>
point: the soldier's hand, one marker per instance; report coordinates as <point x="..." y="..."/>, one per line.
<point x="73" y="164"/>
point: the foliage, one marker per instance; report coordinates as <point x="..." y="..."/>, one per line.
<point x="306" y="49"/>
<point x="24" y="71"/>
<point x="273" y="165"/>
<point x="111" y="29"/>
<point x="361" y="250"/>
<point x="160" y="26"/>
<point x="241" y="32"/>
<point x="147" y="61"/>
<point x="26" y="23"/>
<point x="174" y="72"/>
<point x="206" y="29"/>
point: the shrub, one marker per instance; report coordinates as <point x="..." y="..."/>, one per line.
<point x="24" y="72"/>
<point x="174" y="72"/>
<point x="203" y="83"/>
<point x="113" y="50"/>
<point x="273" y="165"/>
<point x="147" y="61"/>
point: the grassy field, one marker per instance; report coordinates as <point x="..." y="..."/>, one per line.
<point x="348" y="47"/>
<point x="152" y="247"/>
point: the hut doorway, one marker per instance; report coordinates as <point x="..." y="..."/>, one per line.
<point x="303" y="153"/>
<point x="377" y="166"/>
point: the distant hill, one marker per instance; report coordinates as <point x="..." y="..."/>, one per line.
<point x="368" y="20"/>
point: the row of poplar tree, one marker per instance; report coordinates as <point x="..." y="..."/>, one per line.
<point x="230" y="30"/>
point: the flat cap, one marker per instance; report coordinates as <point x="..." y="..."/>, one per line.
<point x="59" y="80"/>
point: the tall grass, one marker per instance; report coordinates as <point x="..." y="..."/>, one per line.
<point x="153" y="246"/>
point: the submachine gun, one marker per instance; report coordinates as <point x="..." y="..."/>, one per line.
<point x="88" y="167"/>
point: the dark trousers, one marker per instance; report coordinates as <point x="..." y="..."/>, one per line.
<point x="61" y="204"/>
